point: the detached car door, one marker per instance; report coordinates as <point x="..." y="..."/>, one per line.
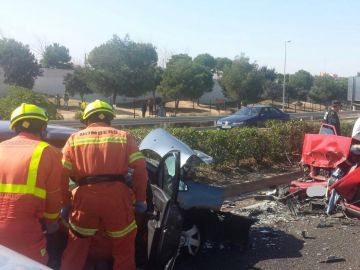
<point x="164" y="229"/>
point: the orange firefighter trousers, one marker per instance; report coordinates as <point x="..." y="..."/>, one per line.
<point x="103" y="205"/>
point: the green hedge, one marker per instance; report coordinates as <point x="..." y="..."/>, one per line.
<point x="18" y="95"/>
<point x="276" y="143"/>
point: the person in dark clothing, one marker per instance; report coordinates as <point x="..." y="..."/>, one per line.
<point x="143" y="108"/>
<point x="151" y="106"/>
<point x="331" y="116"/>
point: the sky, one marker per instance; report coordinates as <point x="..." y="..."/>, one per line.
<point x="324" y="34"/>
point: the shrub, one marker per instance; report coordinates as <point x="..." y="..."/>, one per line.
<point x="78" y="115"/>
<point x="274" y="144"/>
<point x="18" y="95"/>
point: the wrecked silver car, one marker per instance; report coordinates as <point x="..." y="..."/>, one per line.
<point x="179" y="197"/>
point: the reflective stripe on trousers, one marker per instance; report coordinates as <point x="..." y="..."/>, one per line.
<point x="115" y="234"/>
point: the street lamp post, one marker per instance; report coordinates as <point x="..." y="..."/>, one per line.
<point x="283" y="103"/>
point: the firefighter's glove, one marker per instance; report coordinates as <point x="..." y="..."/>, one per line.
<point x="140" y="207"/>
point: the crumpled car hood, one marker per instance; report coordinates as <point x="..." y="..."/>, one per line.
<point x="197" y="195"/>
<point x="325" y="151"/>
<point x="162" y="142"/>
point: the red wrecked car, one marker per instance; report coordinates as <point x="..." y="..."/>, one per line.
<point x="321" y="154"/>
<point x="348" y="188"/>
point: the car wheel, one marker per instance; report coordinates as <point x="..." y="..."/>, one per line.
<point x="191" y="240"/>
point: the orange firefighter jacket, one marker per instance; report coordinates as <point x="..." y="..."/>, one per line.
<point x="102" y="150"/>
<point x="30" y="186"/>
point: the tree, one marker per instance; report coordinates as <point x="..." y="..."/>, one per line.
<point x="155" y="80"/>
<point x="185" y="79"/>
<point x="19" y="64"/>
<point x="268" y="74"/>
<point x="205" y="60"/>
<point x="300" y="83"/>
<point x="342" y="88"/>
<point x="272" y="90"/>
<point x="78" y="82"/>
<point x="242" y="81"/>
<point x="122" y="67"/>
<point x="325" y="89"/>
<point x="221" y="63"/>
<point x="56" y="56"/>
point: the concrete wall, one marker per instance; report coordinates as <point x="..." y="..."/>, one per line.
<point x="51" y="83"/>
<point x="354" y="89"/>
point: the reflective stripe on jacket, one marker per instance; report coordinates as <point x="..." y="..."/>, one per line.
<point x="30" y="179"/>
<point x="102" y="150"/>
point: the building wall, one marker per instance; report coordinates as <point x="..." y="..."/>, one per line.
<point x="51" y="83"/>
<point x="354" y="89"/>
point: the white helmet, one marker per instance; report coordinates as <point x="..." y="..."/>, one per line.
<point x="356" y="130"/>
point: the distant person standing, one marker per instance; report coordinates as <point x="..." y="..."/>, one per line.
<point x="151" y="106"/>
<point x="161" y="110"/>
<point x="331" y="116"/>
<point x="66" y="100"/>
<point x="57" y="100"/>
<point x="143" y="109"/>
<point x="83" y="105"/>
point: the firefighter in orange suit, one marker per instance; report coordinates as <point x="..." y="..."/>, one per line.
<point x="30" y="184"/>
<point x="98" y="158"/>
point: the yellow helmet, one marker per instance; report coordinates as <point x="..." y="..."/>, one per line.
<point x="97" y="106"/>
<point x="27" y="111"/>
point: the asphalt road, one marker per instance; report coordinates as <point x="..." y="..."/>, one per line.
<point x="306" y="243"/>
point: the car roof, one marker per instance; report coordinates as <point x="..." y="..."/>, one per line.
<point x="260" y="105"/>
<point x="56" y="135"/>
<point x="161" y="142"/>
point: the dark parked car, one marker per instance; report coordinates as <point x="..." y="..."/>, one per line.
<point x="252" y="115"/>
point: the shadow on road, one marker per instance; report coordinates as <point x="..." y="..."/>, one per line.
<point x="265" y="244"/>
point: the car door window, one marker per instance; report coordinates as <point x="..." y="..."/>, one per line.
<point x="274" y="113"/>
<point x="168" y="174"/>
<point x="264" y="112"/>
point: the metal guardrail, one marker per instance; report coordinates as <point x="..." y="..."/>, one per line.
<point x="122" y="122"/>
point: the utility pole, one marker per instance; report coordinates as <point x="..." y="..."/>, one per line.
<point x="283" y="101"/>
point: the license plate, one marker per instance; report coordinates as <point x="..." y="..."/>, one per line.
<point x="225" y="126"/>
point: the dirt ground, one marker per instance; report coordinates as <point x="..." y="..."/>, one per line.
<point x="281" y="241"/>
<point x="186" y="108"/>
